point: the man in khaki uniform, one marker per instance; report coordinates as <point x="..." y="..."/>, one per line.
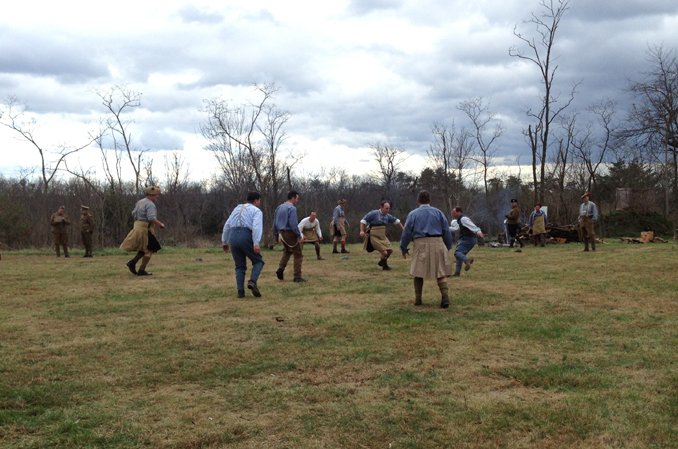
<point x="310" y="230"/>
<point x="59" y="221"/>
<point x="588" y="215"/>
<point x="142" y="237"/>
<point x="373" y="230"/>
<point x="86" y="230"/>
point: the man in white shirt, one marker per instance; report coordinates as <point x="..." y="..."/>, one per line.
<point x="310" y="229"/>
<point x="242" y="234"/>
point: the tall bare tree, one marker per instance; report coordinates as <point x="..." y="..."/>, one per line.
<point x="119" y="102"/>
<point x="247" y="139"/>
<point x="653" y="122"/>
<point x="14" y="115"/>
<point x="451" y="154"/>
<point x="480" y="117"/>
<point x="389" y="158"/>
<point x="540" y="53"/>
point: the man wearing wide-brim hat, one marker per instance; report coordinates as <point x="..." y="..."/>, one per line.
<point x="59" y="220"/>
<point x="142" y="237"/>
<point x="338" y="226"/>
<point x="588" y="215"/>
<point x="86" y="230"/>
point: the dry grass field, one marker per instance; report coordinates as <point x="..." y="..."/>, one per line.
<point x="547" y="348"/>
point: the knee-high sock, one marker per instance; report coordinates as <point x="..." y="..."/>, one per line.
<point x="593" y="243"/>
<point x="586" y="243"/>
<point x="418" y="287"/>
<point x="317" y="250"/>
<point x="335" y="246"/>
<point x="443" y="288"/>
<point x="144" y="262"/>
<point x="138" y="257"/>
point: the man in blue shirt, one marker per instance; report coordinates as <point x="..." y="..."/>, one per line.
<point x="338" y="226"/>
<point x="430" y="230"/>
<point x="468" y="237"/>
<point x="286" y="230"/>
<point x="375" y="236"/>
<point x="242" y="234"/>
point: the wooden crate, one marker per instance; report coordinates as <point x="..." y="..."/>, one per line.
<point x="647" y="236"/>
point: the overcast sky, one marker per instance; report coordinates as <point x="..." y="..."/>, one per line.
<point x="349" y="72"/>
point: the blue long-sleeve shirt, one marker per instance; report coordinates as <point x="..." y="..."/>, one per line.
<point x="588" y="210"/>
<point x="425" y="221"/>
<point x="338" y="212"/>
<point x="286" y="220"/>
<point x="376" y="218"/>
<point x="251" y="218"/>
<point x="535" y="214"/>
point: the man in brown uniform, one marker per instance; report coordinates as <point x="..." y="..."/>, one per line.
<point x="86" y="230"/>
<point x="513" y="223"/>
<point x="59" y="221"/>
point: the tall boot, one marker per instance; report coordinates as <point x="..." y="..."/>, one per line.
<point x="334" y="251"/>
<point x="593" y="243"/>
<point x="511" y="244"/>
<point x="586" y="244"/>
<point x="58" y="250"/>
<point x="66" y="251"/>
<point x="542" y="239"/>
<point x="384" y="265"/>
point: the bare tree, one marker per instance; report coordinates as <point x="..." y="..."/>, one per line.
<point x="389" y="158"/>
<point x="247" y="139"/>
<point x="119" y="101"/>
<point x="540" y="53"/>
<point x="653" y="122"/>
<point x="480" y="117"/>
<point x="13" y="115"/>
<point x="450" y="155"/>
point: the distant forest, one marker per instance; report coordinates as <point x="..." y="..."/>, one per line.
<point x="572" y="152"/>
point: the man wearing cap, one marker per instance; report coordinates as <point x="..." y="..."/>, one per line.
<point x="142" y="237"/>
<point x="242" y="234"/>
<point x="468" y="237"/>
<point x="588" y="214"/>
<point x="338" y="226"/>
<point x="430" y="230"/>
<point x="59" y="220"/>
<point x="86" y="230"/>
<point x="373" y="230"/>
<point x="286" y="230"/>
<point x="310" y="230"/>
<point x="538" y="222"/>
<point x="513" y="222"/>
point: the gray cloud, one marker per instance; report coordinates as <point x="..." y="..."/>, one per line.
<point x="193" y="14"/>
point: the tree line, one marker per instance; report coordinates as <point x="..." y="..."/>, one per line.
<point x="597" y="149"/>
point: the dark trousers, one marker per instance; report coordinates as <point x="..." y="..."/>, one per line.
<point x="242" y="248"/>
<point x="464" y="246"/>
<point x="87" y="242"/>
<point x="291" y="246"/>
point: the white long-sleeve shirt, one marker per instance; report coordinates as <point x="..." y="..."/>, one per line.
<point x="306" y="224"/>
